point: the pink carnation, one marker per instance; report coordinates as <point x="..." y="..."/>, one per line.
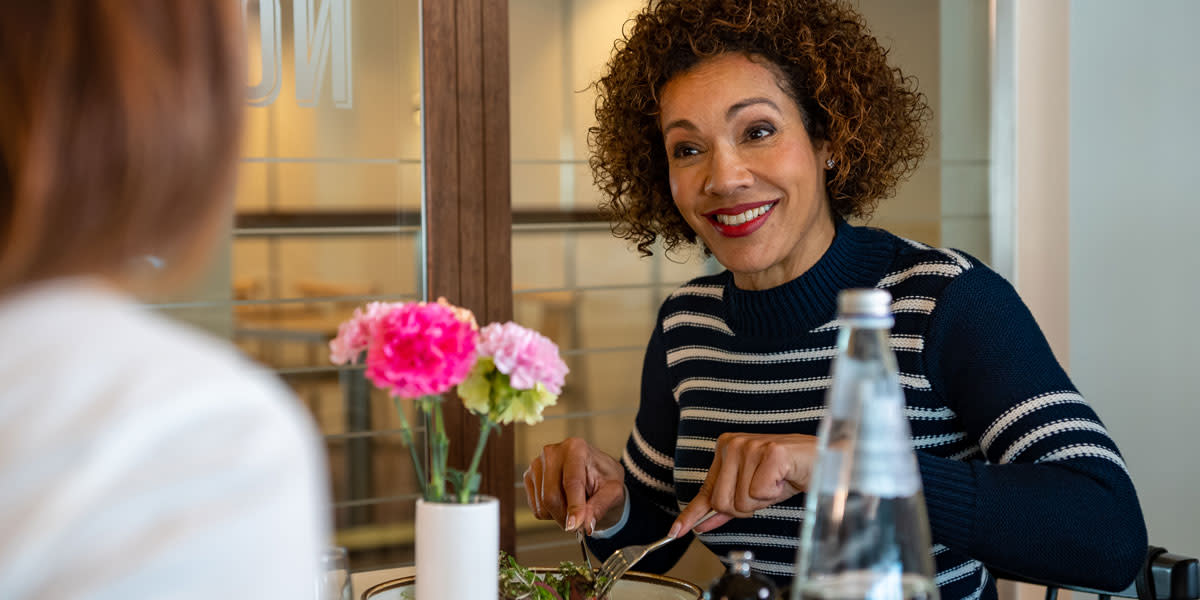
<point x="354" y="335"/>
<point x="419" y="349"/>
<point x="526" y="356"/>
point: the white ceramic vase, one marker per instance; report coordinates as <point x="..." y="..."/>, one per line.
<point x="458" y="547"/>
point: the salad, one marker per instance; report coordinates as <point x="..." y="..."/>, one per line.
<point x="570" y="582"/>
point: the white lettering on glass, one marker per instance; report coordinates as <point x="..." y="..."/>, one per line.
<point x="271" y="54"/>
<point x="320" y="33"/>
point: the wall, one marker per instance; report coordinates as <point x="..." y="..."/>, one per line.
<point x="1039" y="162"/>
<point x="1133" y="267"/>
<point x="1029" y="157"/>
<point x="910" y="32"/>
<point x="944" y="45"/>
<point x="963" y="118"/>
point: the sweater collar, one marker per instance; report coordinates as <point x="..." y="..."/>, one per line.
<point x="858" y="257"/>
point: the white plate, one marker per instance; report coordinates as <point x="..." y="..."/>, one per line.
<point x="633" y="586"/>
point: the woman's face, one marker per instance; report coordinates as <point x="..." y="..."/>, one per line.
<point x="743" y="171"/>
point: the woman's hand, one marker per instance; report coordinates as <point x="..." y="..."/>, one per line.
<point x="576" y="485"/>
<point x="749" y="471"/>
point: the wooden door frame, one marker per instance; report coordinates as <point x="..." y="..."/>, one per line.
<point x="468" y="208"/>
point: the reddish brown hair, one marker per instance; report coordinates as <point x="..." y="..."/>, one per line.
<point x="831" y="65"/>
<point x="119" y="128"/>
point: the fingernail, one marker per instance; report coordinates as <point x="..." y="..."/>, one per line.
<point x="592" y="527"/>
<point x="570" y="522"/>
<point x="674" y="530"/>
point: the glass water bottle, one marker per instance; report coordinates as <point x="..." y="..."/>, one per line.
<point x="865" y="534"/>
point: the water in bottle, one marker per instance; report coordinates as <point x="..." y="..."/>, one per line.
<point x="865" y="534"/>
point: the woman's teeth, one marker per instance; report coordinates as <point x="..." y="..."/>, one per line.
<point x="749" y="215"/>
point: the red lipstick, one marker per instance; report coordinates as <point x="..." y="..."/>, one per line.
<point x="741" y="229"/>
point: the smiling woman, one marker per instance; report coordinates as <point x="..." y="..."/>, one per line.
<point x="756" y="129"/>
<point x="829" y="65"/>
<point x="741" y="163"/>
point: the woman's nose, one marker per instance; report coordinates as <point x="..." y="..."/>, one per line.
<point x="728" y="172"/>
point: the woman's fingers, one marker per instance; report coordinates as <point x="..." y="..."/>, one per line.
<point x="782" y="471"/>
<point x="716" y="521"/>
<point x="728" y="466"/>
<point x="609" y="497"/>
<point x="697" y="508"/>
<point x="700" y="504"/>
<point x="692" y="512"/>
<point x="533" y="486"/>
<point x="753" y="471"/>
<point x="553" y="497"/>
<point x="748" y="498"/>
<point x="606" y="491"/>
<point x="575" y="482"/>
<point x="572" y="483"/>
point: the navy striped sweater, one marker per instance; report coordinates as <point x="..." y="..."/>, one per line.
<point x="1019" y="473"/>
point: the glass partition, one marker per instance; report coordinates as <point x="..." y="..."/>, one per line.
<point x="590" y="292"/>
<point x="328" y="216"/>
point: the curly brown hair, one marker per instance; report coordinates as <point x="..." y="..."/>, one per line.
<point x="835" y="70"/>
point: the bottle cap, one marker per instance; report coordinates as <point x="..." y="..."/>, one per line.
<point x="868" y="303"/>
<point x="739" y="561"/>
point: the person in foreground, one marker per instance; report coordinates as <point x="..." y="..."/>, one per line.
<point x="137" y="458"/>
<point x="756" y="129"/>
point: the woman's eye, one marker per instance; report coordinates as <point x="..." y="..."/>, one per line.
<point x="684" y="151"/>
<point x="759" y="131"/>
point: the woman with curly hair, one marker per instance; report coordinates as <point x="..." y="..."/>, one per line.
<point x="756" y="128"/>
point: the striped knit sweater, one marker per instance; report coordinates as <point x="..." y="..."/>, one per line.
<point x="1018" y="471"/>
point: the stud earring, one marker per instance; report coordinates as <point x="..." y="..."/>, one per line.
<point x="829" y="163"/>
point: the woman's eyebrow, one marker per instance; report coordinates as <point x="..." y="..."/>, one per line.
<point x="679" y="123"/>
<point x="729" y="114"/>
<point x="737" y="107"/>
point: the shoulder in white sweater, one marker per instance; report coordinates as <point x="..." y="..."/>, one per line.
<point x="139" y="458"/>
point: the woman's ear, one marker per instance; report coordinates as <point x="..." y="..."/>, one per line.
<point x="823" y="149"/>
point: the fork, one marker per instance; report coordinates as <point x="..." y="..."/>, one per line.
<point x="622" y="560"/>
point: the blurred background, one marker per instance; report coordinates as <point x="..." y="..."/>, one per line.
<point x="1061" y="153"/>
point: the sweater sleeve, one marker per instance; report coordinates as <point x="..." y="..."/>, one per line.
<point x="1048" y="494"/>
<point x="649" y="461"/>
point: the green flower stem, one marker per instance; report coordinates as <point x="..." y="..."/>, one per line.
<point x="440" y="450"/>
<point x="407" y="437"/>
<point x="485" y="427"/>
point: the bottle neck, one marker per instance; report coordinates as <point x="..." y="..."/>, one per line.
<point x="866" y="394"/>
<point x="864" y="343"/>
<point x="867" y="341"/>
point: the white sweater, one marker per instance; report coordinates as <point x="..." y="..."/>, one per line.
<point x="141" y="459"/>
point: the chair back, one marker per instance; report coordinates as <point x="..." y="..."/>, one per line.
<point x="1164" y="576"/>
